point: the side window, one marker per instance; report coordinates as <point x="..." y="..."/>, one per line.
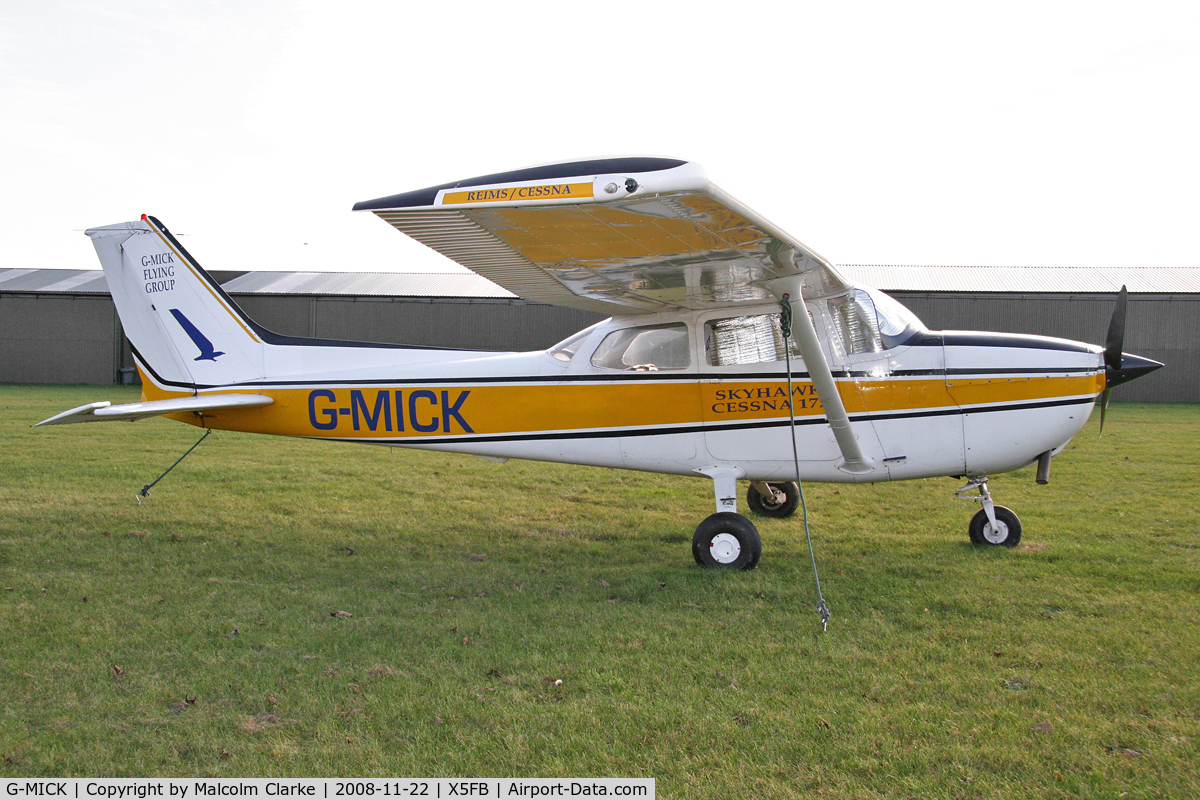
<point x="745" y="340"/>
<point x="652" y="347"/>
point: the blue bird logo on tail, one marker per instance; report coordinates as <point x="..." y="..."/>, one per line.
<point x="206" y="347"/>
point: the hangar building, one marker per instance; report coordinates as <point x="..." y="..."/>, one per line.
<point x="60" y="326"/>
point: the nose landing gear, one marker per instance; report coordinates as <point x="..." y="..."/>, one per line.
<point x="992" y="525"/>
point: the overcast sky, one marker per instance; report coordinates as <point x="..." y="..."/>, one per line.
<point x="899" y="133"/>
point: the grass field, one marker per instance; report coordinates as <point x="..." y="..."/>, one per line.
<point x="199" y="634"/>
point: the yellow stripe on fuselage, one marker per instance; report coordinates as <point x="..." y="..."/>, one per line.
<point x="975" y="391"/>
<point x="435" y="410"/>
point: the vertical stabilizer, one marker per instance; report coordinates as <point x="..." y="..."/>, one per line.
<point x="185" y="330"/>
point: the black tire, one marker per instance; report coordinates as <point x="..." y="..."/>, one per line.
<point x="761" y="505"/>
<point x="1008" y="523"/>
<point x="727" y="541"/>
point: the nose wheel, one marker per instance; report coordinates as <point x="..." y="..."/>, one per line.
<point x="992" y="525"/>
<point x="1006" y="532"/>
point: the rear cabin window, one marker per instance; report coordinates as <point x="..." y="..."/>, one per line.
<point x="565" y="350"/>
<point x="745" y="340"/>
<point x="647" y="348"/>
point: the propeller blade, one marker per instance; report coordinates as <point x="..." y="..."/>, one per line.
<point x="1115" y="340"/>
<point x="1118" y="367"/>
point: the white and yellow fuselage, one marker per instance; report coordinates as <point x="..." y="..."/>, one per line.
<point x="913" y="415"/>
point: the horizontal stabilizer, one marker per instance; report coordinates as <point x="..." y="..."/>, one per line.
<point x="104" y="411"/>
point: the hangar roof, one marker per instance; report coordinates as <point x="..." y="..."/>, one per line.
<point x="68" y="281"/>
<point x="83" y="281"/>
<point x="383" y="284"/>
<point x="360" y="284"/>
<point x="1034" y="280"/>
<point x="898" y="278"/>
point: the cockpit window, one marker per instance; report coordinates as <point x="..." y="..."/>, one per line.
<point x="745" y="340"/>
<point x="869" y="321"/>
<point x="646" y="348"/>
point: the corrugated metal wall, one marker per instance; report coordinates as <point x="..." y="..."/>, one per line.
<point x="58" y="338"/>
<point x="1163" y="327"/>
<point x="64" y="338"/>
<point x="475" y="324"/>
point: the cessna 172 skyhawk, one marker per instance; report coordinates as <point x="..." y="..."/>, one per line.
<point x="687" y="376"/>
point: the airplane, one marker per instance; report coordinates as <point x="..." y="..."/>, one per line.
<point x="692" y="372"/>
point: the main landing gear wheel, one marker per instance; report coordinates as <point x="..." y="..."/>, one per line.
<point x="1006" y="533"/>
<point x="775" y="506"/>
<point x="727" y="540"/>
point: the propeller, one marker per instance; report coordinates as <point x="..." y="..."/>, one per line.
<point x="1120" y="367"/>
<point x="1113" y="356"/>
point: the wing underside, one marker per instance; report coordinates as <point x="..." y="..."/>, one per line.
<point x="614" y="236"/>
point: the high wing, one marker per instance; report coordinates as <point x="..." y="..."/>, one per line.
<point x="104" y="411"/>
<point x="613" y="236"/>
<point x="626" y="236"/>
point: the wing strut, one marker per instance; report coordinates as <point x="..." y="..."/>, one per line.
<point x="854" y="460"/>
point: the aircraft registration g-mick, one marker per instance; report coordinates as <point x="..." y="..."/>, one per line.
<point x="687" y="376"/>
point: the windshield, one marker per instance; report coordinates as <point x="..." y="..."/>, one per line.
<point x="869" y="321"/>
<point x="894" y="319"/>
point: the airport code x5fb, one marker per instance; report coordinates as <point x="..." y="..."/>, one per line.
<point x="329" y="788"/>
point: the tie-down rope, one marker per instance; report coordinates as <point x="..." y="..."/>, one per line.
<point x="145" y="492"/>
<point x="785" y="322"/>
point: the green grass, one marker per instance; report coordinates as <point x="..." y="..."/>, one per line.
<point x="470" y="583"/>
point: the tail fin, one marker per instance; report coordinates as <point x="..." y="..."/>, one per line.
<point x="184" y="329"/>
